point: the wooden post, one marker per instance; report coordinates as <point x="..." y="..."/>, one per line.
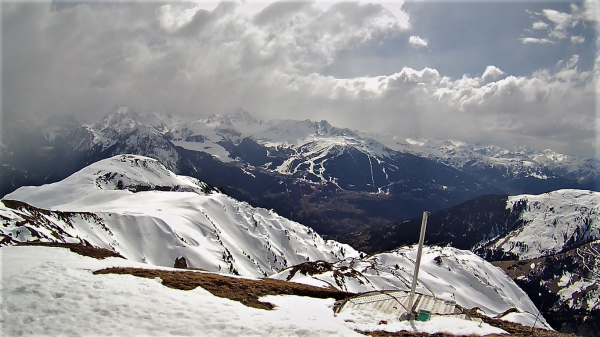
<point x="413" y="287"/>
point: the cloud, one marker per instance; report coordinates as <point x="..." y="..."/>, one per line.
<point x="417" y="41"/>
<point x="540" y="25"/>
<point x="492" y="72"/>
<point x="561" y="20"/>
<point x="526" y="40"/>
<point x="85" y="59"/>
<point x="564" y="23"/>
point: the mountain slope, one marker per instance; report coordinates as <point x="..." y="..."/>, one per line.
<point x="552" y="223"/>
<point x="498" y="227"/>
<point x="562" y="286"/>
<point x="445" y="273"/>
<point x="134" y="206"/>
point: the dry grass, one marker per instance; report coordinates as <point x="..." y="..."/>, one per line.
<point x="81" y="249"/>
<point x="242" y="290"/>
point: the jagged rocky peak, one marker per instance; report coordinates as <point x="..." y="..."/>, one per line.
<point x="240" y="115"/>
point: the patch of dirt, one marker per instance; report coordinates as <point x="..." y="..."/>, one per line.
<point x="83" y="248"/>
<point x="238" y="289"/>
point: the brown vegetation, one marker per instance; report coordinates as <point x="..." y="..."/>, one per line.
<point x="246" y="291"/>
<point x="81" y="249"/>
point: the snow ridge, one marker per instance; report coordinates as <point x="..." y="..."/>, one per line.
<point x="553" y="222"/>
<point x="134" y="206"/>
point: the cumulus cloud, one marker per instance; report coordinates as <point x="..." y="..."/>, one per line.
<point x="417" y="41"/>
<point x="493" y="72"/>
<point x="540" y="25"/>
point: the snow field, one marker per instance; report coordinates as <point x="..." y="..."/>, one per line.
<point x="52" y="292"/>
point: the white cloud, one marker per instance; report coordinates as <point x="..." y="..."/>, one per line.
<point x="493" y="72"/>
<point x="202" y="61"/>
<point x="526" y="40"/>
<point x="417" y="41"/>
<point x="561" y="20"/>
<point x="564" y="22"/>
<point x="591" y="11"/>
<point x="577" y="39"/>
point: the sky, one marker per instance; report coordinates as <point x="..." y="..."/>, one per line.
<point x="507" y="73"/>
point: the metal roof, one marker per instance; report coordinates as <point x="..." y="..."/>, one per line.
<point x="396" y="302"/>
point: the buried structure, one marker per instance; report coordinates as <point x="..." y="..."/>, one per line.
<point x="404" y="304"/>
<point x="396" y="303"/>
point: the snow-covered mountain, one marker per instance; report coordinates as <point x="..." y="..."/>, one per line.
<point x="503" y="167"/>
<point x="499" y="227"/>
<point x="334" y="180"/>
<point x="445" y="272"/>
<point x="135" y="206"/>
<point x="552" y="223"/>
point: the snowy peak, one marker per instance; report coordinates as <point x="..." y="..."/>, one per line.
<point x="130" y="173"/>
<point x="134" y="206"/>
<point x="138" y="173"/>
<point x="239" y="116"/>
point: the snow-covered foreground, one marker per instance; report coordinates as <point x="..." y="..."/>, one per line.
<point x="51" y="291"/>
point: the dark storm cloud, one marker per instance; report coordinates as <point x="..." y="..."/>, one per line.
<point x="437" y="71"/>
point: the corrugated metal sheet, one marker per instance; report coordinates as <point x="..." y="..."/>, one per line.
<point x="396" y="303"/>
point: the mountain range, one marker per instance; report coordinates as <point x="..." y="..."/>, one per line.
<point x="142" y="175"/>
<point x="334" y="180"/>
<point x="137" y="208"/>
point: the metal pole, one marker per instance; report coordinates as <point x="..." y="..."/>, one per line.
<point x="411" y="298"/>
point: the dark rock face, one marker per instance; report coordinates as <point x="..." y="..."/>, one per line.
<point x="180" y="262"/>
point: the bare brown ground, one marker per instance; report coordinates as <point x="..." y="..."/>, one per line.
<point x="81" y="249"/>
<point x="238" y="289"/>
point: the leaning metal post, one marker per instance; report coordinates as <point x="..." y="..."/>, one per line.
<point x="411" y="298"/>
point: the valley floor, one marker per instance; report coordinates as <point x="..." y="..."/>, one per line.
<point x="53" y="291"/>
